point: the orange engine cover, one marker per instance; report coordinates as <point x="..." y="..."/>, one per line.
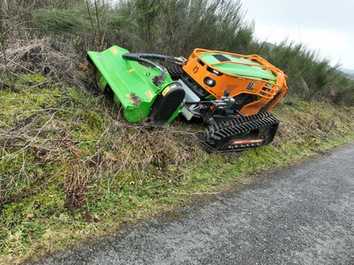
<point x="265" y="94"/>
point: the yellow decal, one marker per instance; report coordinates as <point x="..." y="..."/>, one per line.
<point x="149" y="94"/>
<point x="114" y="50"/>
<point x="164" y="93"/>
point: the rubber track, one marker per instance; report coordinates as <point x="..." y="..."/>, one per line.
<point x="217" y="135"/>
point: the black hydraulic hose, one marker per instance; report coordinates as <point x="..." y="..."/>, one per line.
<point x="141" y="58"/>
<point x="155" y="56"/>
<point x="137" y="57"/>
<point x="148" y="57"/>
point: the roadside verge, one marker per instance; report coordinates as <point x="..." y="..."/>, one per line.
<point x="71" y="171"/>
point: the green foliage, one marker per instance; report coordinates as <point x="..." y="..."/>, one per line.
<point x="179" y="26"/>
<point x="309" y="76"/>
<point x="60" y="21"/>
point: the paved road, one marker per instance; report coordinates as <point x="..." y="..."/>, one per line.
<point x="301" y="215"/>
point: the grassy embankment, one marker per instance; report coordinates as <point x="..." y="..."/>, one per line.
<point x="63" y="148"/>
<point x="71" y="169"/>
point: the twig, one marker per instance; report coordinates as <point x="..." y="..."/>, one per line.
<point x="32" y="139"/>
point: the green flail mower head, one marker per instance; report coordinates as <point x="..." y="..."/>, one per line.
<point x="149" y="92"/>
<point x="143" y="88"/>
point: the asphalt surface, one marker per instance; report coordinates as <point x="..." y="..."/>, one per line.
<point x="300" y="215"/>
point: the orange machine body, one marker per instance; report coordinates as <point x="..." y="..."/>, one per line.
<point x="266" y="93"/>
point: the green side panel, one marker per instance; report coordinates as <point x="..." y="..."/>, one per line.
<point x="252" y="70"/>
<point x="130" y="81"/>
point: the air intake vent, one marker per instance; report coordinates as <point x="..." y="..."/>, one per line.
<point x="244" y="99"/>
<point x="221" y="58"/>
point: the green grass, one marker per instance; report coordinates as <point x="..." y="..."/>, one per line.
<point x="63" y="148"/>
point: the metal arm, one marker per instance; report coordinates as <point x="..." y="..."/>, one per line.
<point x="148" y="57"/>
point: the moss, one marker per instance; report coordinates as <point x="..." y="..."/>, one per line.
<point x="27" y="221"/>
<point x="33" y="79"/>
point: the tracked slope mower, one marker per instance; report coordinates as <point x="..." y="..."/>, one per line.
<point x="232" y="94"/>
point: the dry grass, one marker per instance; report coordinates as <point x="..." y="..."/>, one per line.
<point x="46" y="131"/>
<point x="55" y="59"/>
<point x="303" y="121"/>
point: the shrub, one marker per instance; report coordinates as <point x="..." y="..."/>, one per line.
<point x="309" y="76"/>
<point x="176" y="27"/>
<point x="60" y="21"/>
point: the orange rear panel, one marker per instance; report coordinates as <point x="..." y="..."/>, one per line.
<point x="269" y="94"/>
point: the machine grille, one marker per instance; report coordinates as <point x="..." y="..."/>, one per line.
<point x="244" y="99"/>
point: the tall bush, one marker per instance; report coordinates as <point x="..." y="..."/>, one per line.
<point x="176" y="27"/>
